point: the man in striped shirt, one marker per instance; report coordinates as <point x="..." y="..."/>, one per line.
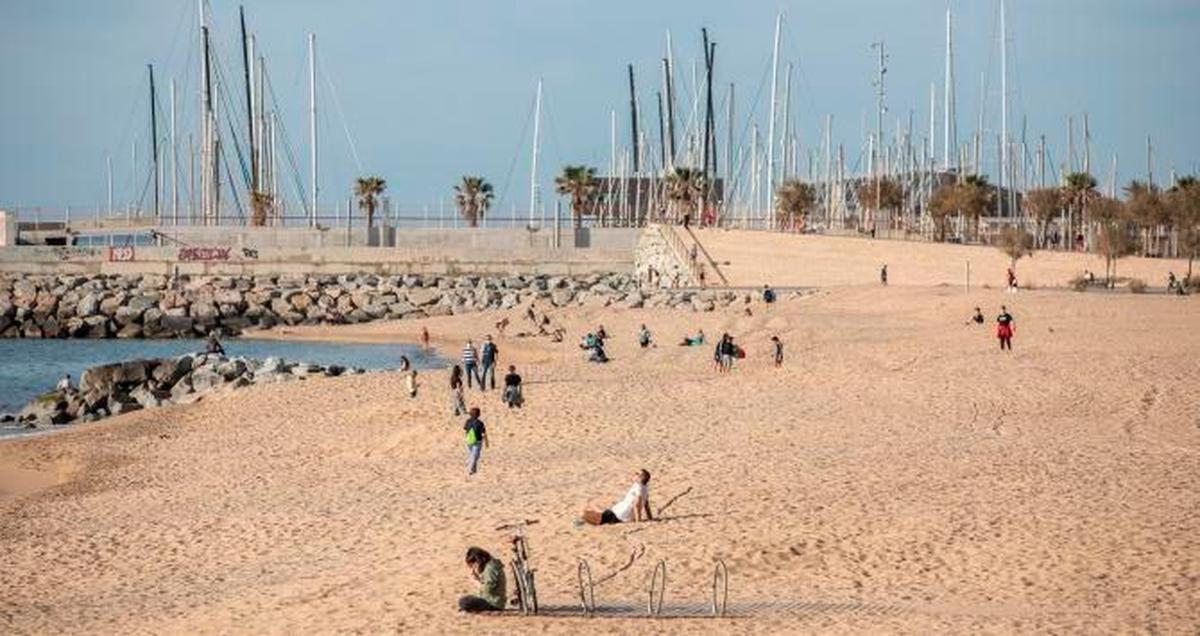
<point x="470" y="361"/>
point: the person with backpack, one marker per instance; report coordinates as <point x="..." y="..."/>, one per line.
<point x="487" y="363"/>
<point x="476" y="439"/>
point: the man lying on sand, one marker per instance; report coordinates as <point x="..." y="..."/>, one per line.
<point x="489" y="571"/>
<point x="634" y="507"/>
<point x="693" y="341"/>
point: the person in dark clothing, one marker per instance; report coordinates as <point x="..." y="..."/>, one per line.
<point x="778" y="344"/>
<point x="489" y="571"/>
<point x="214" y="344"/>
<point x="512" y="389"/>
<point x="978" y="317"/>
<point x="488" y="355"/>
<point x="476" y="439"/>
<point x="768" y="294"/>
<point x="1004" y="328"/>
<point x="883" y="274"/>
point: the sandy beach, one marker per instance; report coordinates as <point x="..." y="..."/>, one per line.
<point x="899" y="474"/>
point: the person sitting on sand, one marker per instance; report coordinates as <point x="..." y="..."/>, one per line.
<point x="601" y="334"/>
<point x="588" y="342"/>
<point x="489" y="571"/>
<point x="693" y="341"/>
<point x="405" y="365"/>
<point x="635" y="506"/>
<point x="977" y="318"/>
<point x="598" y="354"/>
<point x="644" y="337"/>
<point x="512" y="388"/>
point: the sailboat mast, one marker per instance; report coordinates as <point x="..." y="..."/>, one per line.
<point x="174" y="162"/>
<point x="312" y="127"/>
<point x="247" y="55"/>
<point x="950" y="128"/>
<point x="771" y="119"/>
<point x="669" y="80"/>
<point x="537" y="148"/>
<point x="633" y="118"/>
<point x="154" y="142"/>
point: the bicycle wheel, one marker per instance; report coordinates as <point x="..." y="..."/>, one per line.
<point x="520" y="593"/>
<point x="531" y="592"/>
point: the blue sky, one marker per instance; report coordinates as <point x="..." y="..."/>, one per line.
<point x="430" y="91"/>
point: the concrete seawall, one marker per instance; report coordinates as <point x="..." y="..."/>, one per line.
<point x="262" y="252"/>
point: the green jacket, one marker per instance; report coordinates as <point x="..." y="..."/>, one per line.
<point x="492" y="584"/>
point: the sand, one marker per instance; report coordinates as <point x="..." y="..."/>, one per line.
<point x="898" y="475"/>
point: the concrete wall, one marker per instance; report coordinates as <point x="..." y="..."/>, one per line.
<point x="8" y="228"/>
<point x="265" y="251"/>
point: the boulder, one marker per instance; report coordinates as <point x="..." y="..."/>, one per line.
<point x="170" y="371"/>
<point x="131" y="331"/>
<point x="424" y="296"/>
<point x="88" y="305"/>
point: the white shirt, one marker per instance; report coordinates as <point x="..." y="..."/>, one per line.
<point x="625" y="508"/>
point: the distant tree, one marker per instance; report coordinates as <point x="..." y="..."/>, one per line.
<point x="368" y="190"/>
<point x="473" y="197"/>
<point x="1116" y="234"/>
<point x="1043" y="205"/>
<point x="1183" y="204"/>
<point x="260" y="207"/>
<point x="579" y="183"/>
<point x="976" y="198"/>
<point x="1079" y="190"/>
<point x="942" y="207"/>
<point x="684" y="189"/>
<point x="878" y="195"/>
<point x="794" y="202"/>
<point x="1016" y="243"/>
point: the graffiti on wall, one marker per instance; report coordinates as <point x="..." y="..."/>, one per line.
<point x="121" y="254"/>
<point x="192" y="254"/>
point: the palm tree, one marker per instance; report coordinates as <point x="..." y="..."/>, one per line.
<point x="473" y="197"/>
<point x="794" y="201"/>
<point x="1183" y="203"/>
<point x="1042" y="205"/>
<point x="368" y="189"/>
<point x="260" y="206"/>
<point x="579" y="183"/>
<point x="685" y="187"/>
<point x="1147" y="207"/>
<point x="943" y="205"/>
<point x="876" y="195"/>
<point x="1079" y="190"/>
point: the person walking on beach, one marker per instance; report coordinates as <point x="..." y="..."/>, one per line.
<point x="635" y="506"/>
<point x="1004" y="328"/>
<point x="883" y="275"/>
<point x="456" y="391"/>
<point x="778" y="344"/>
<point x="489" y="571"/>
<point x="1012" y="281"/>
<point x="469" y="361"/>
<point x="487" y="362"/>
<point x="410" y="381"/>
<point x="513" y="396"/>
<point x="726" y="350"/>
<point x="425" y="338"/>
<point x="476" y="439"/>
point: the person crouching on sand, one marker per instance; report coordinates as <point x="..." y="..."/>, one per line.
<point x="489" y="572"/>
<point x="635" y="506"/>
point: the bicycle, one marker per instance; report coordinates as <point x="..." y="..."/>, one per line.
<point x="523" y="575"/>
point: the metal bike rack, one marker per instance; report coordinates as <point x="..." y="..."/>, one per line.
<point x="587" y="589"/>
<point x="720" y="588"/>
<point x="658" y="589"/>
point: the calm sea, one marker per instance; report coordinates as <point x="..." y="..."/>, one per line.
<point x="29" y="368"/>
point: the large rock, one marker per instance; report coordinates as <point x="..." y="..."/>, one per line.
<point x="424" y="296"/>
<point x="88" y="305"/>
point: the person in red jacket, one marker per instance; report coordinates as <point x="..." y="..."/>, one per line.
<point x="1004" y="328"/>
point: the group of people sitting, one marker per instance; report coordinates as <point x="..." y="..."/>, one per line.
<point x="593" y="343"/>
